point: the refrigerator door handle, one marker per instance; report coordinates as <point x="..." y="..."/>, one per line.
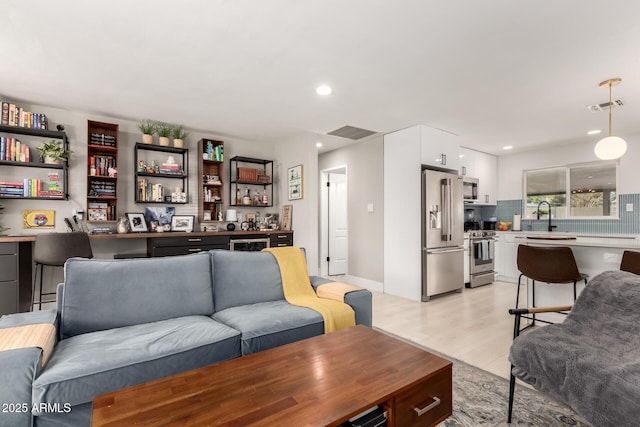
<point x="442" y="251"/>
<point x="445" y="192"/>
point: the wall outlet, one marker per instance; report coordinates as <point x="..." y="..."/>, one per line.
<point x="629" y="207"/>
<point x="370" y="207"/>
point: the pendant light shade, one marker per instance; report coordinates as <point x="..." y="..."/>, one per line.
<point x="610" y="147"/>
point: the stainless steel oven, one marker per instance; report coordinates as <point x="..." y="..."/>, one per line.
<point x="470" y="189"/>
<point x="253" y="244"/>
<point x="481" y="257"/>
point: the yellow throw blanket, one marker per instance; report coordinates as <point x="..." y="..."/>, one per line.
<point x="42" y="335"/>
<point x="298" y="291"/>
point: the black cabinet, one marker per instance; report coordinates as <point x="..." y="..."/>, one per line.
<point x="183" y="245"/>
<point x="281" y="238"/>
<point x="15" y="277"/>
<point x="37" y="180"/>
<point x="159" y="170"/>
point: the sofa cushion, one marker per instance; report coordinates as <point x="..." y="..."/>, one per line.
<point x="105" y="294"/>
<point x="270" y="324"/>
<point x="241" y="278"/>
<point x="99" y="362"/>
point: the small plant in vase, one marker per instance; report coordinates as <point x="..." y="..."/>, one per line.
<point x="163" y="130"/>
<point x="54" y="152"/>
<point x="179" y="135"/>
<point x="148" y="128"/>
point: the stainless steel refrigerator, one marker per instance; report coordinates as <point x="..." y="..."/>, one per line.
<point x="442" y="233"/>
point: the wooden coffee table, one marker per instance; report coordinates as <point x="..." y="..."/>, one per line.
<point x="320" y="381"/>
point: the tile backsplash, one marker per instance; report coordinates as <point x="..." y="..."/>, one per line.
<point x="629" y="222"/>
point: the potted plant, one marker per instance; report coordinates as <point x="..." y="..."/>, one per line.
<point x="179" y="135"/>
<point x="54" y="152"/>
<point x="2" y="229"/>
<point x="148" y="128"/>
<point x="163" y="130"/>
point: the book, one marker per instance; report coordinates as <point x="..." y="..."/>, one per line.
<point x="12" y="114"/>
<point x="5" y="113"/>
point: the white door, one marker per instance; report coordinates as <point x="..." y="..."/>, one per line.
<point x="338" y="237"/>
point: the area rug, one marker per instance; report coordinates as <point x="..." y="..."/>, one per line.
<point x="480" y="398"/>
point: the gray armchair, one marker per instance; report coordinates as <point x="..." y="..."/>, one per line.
<point x="591" y="361"/>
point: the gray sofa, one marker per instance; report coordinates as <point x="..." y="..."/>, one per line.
<point x="125" y="322"/>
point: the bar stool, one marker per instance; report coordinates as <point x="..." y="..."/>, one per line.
<point x="554" y="264"/>
<point x="630" y="262"/>
<point x="53" y="250"/>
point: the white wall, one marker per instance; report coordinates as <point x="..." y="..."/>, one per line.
<point x="364" y="162"/>
<point x="301" y="150"/>
<point x="511" y="166"/>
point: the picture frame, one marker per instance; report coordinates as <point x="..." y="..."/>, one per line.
<point x="206" y="216"/>
<point x="182" y="223"/>
<point x="137" y="223"/>
<point x="287" y="216"/>
<point x="97" y="214"/>
<point x="295" y="182"/>
<point x="38" y="218"/>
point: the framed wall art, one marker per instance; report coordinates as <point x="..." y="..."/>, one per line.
<point x="38" y="218"/>
<point x="295" y="182"/>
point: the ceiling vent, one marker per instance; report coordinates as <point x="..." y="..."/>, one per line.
<point x="352" y="132"/>
<point x="595" y="108"/>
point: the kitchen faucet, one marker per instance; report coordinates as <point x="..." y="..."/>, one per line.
<point x="550" y="227"/>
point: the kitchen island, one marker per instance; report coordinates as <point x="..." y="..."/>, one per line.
<point x="594" y="253"/>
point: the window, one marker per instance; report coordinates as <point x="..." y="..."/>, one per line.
<point x="574" y="191"/>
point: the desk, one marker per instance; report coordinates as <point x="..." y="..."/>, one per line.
<point x="16" y="262"/>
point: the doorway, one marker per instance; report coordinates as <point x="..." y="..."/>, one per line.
<point x="334" y="224"/>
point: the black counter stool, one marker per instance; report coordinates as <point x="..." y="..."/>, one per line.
<point x="53" y="250"/>
<point x="630" y="262"/>
<point x="554" y="264"/>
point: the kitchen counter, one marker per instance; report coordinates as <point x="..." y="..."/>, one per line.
<point x="620" y="241"/>
<point x="594" y="254"/>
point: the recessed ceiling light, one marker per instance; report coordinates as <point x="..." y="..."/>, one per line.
<point x="461" y="155"/>
<point x="594" y="132"/>
<point x="324" y="90"/>
<point x="318" y="144"/>
<point x="507" y="147"/>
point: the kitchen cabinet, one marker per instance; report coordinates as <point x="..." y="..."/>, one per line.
<point x="439" y="149"/>
<point x="506" y="257"/>
<point x="482" y="166"/>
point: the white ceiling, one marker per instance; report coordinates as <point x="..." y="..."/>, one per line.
<point x="494" y="72"/>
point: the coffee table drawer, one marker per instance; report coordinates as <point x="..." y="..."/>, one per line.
<point x="417" y="400"/>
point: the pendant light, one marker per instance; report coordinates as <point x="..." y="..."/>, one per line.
<point x="610" y="147"/>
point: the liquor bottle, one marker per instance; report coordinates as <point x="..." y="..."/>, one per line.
<point x="238" y="198"/>
<point x="265" y="198"/>
<point x="246" y="200"/>
<point x="256" y="198"/>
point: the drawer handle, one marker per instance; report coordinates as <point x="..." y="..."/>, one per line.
<point x="282" y="244"/>
<point x="427" y="408"/>
<point x="195" y="240"/>
<point x="195" y="249"/>
<point x="281" y="236"/>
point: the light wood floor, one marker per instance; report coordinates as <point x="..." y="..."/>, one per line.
<point x="473" y="326"/>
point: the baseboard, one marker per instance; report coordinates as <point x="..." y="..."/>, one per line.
<point x="372" y="285"/>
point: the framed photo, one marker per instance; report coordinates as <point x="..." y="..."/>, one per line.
<point x="295" y="182"/>
<point x="137" y="224"/>
<point x="38" y="218"/>
<point x="182" y="223"/>
<point x="206" y="216"/>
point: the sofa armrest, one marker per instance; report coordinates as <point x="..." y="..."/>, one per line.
<point x="19" y="368"/>
<point x="359" y="301"/>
